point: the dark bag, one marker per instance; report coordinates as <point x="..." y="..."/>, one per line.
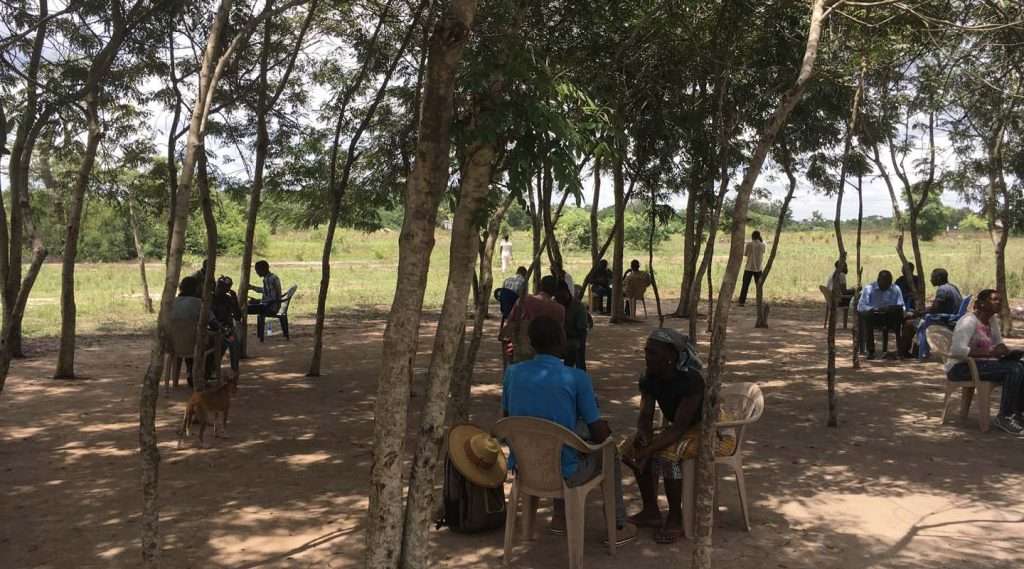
<point x="469" y="508"/>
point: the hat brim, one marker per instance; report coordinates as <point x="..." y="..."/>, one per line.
<point x="487" y="478"/>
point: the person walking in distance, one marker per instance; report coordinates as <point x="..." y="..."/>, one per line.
<point x="754" y="252"/>
<point x="506" y="254"/>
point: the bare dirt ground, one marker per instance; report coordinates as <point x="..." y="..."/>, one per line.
<point x="891" y="487"/>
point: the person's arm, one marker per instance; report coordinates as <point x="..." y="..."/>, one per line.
<point x="960" y="346"/>
<point x="645" y="421"/>
<point x="899" y="298"/>
<point x="686" y="411"/>
<point x="504" y="395"/>
<point x="747" y="248"/>
<point x="999" y="348"/>
<point x="586" y="409"/>
<point x="864" y="304"/>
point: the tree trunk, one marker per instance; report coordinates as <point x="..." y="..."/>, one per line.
<point x="554" y="251"/>
<point x="66" y="353"/>
<point x="462" y="382"/>
<point x="140" y="254"/>
<point x="650" y="254"/>
<point x="199" y="371"/>
<point x="450" y="328"/>
<point x="706" y="464"/>
<point x="714" y="214"/>
<point x="535" y="227"/>
<point x="338" y="191"/>
<point x="691" y="251"/>
<point x="595" y="255"/>
<point x="787" y="165"/>
<point x="424" y="190"/>
<point x="860" y="268"/>
<point x="999" y="220"/>
<point x="618" y="187"/>
<point x="266" y="101"/>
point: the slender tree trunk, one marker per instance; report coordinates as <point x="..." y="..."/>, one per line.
<point x="999" y="220"/>
<point x="199" y="371"/>
<point x="650" y="255"/>
<point x="706" y="465"/>
<point x="619" y="183"/>
<point x="595" y="255"/>
<point x="860" y="268"/>
<point x="535" y="227"/>
<point x="140" y="254"/>
<point x="66" y="353"/>
<point x="425" y="187"/>
<point x="714" y="215"/>
<point x="691" y="250"/>
<point x="787" y="165"/>
<point x="450" y="329"/>
<point x="462" y="382"/>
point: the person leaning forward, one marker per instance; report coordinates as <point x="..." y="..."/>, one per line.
<point x="515" y="334"/>
<point x="880" y="305"/>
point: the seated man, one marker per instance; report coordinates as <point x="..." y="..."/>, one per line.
<point x="560" y="273"/>
<point x="543" y="387"/>
<point x="227" y="312"/>
<point x="517" y="282"/>
<point x="947" y="301"/>
<point x="840" y="272"/>
<point x="904" y="283"/>
<point x="601" y="283"/>
<point x="880" y="305"/>
<point x="183" y="320"/>
<point x="270" y="303"/>
<point x="672" y="381"/>
<point x="977" y="335"/>
<point x="634" y="285"/>
<point x="514" y="334"/>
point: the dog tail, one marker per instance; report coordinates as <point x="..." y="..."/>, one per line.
<point x="184" y="430"/>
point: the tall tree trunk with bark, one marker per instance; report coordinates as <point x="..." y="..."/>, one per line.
<point x="618" y="234"/>
<point x="786" y="159"/>
<point x="860" y="268"/>
<point x="706" y="459"/>
<point x="691" y="251"/>
<point x="999" y="218"/>
<point x="199" y="371"/>
<point x="140" y="254"/>
<point x="265" y="103"/>
<point x="425" y="187"/>
<point x="595" y="254"/>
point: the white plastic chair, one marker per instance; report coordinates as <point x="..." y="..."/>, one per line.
<point x="537" y="446"/>
<point x="742" y="404"/>
<point x="939" y="340"/>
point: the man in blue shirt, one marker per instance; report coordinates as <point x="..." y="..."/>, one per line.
<point x="880" y="305"/>
<point x="545" y="388"/>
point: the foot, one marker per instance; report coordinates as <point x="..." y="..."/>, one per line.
<point x="1008" y="424"/>
<point x="623" y="534"/>
<point x="671" y="531"/>
<point x="646" y="519"/>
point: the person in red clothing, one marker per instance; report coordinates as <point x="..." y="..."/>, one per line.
<point x="513" y="335"/>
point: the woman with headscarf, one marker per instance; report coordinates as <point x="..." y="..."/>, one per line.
<point x="672" y="380"/>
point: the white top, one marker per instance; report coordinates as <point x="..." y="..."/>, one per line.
<point x="754" y="253"/>
<point x="568" y="281"/>
<point x="971" y="333"/>
<point x="506" y="248"/>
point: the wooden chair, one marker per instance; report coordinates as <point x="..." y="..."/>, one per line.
<point x="537" y="446"/>
<point x="844" y="307"/>
<point x="740" y="405"/>
<point x="282" y="315"/>
<point x="939" y="340"/>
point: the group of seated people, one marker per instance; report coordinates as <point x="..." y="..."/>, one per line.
<point x="634" y="283"/>
<point x="223" y="317"/>
<point x="543" y="386"/>
<point x="889" y="305"/>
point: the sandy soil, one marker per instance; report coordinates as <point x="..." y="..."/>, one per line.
<point x="891" y="487"/>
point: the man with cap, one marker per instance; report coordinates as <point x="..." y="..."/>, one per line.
<point x="545" y="388"/>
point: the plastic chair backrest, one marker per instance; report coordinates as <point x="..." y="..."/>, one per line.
<point x="964" y="305"/>
<point x="742" y="403"/>
<point x="537" y="446"/>
<point x="286" y="300"/>
<point x="939" y="340"/>
<point x="181" y="332"/>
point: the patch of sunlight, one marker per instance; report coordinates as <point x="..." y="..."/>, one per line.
<point x="112" y="552"/>
<point x="304" y="459"/>
<point x="109" y="452"/>
<point x="99" y="428"/>
<point x="22" y="432"/>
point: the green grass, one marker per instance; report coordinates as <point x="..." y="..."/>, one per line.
<point x="364" y="265"/>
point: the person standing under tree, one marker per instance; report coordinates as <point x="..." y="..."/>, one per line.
<point x="754" y="252"/>
<point x="506" y="254"/>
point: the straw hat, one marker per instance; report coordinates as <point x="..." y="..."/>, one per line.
<point x="477" y="456"/>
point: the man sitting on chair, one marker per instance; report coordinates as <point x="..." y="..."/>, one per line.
<point x="184" y="318"/>
<point x="880" y="305"/>
<point x="271" y="291"/>
<point x="545" y="388"/>
<point x="947" y="301"/>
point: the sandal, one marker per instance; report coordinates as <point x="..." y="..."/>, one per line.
<point x="644" y="521"/>
<point x="667" y="536"/>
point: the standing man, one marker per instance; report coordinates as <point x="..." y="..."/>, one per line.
<point x="754" y="252"/>
<point x="270" y="302"/>
<point x="880" y="306"/>
<point x="514" y="335"/>
<point x="506" y="254"/>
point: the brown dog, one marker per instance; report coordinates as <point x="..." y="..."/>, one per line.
<point x="205" y="405"/>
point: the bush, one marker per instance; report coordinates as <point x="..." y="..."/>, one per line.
<point x="230" y="218"/>
<point x="973" y="222"/>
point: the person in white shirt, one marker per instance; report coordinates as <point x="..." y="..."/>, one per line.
<point x="506" y="254"/>
<point x="560" y="273"/>
<point x="754" y="252"/>
<point x="977" y="336"/>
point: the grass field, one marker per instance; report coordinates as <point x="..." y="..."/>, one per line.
<point x="110" y="301"/>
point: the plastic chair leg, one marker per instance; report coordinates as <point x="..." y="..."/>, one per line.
<point x="511" y="513"/>
<point x="574" y="525"/>
<point x="984" y="406"/>
<point x="965" y="402"/>
<point x="644" y="302"/>
<point x="529" y="517"/>
<point x="284" y="327"/>
<point x="260" y="327"/>
<point x="608" y="497"/>
<point x="741" y="487"/>
<point x="689" y="496"/>
<point x="946" y="402"/>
